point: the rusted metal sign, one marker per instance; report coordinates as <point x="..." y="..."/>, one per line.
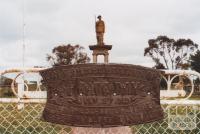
<point x="102" y="95"/>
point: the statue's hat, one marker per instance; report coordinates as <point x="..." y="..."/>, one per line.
<point x="99" y="16"/>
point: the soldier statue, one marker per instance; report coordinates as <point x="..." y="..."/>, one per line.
<point x="100" y="30"/>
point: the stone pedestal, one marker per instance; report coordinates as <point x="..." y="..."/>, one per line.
<point x="100" y="50"/>
<point x="112" y="130"/>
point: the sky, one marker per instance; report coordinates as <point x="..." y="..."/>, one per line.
<point x="129" y="26"/>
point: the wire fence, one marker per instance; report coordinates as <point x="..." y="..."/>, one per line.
<point x="179" y="119"/>
<point x="27" y="120"/>
<point x="23" y="115"/>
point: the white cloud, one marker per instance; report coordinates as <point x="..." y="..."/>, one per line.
<point x="129" y="25"/>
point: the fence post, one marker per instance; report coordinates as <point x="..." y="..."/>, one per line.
<point x="20" y="85"/>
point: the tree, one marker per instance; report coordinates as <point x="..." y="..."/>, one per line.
<point x="195" y="61"/>
<point x="67" y="54"/>
<point x="168" y="53"/>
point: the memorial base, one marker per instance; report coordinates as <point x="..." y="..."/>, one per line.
<point x="111" y="130"/>
<point x="102" y="95"/>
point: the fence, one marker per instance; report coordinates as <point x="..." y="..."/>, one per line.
<point x="23" y="114"/>
<point x="181" y="117"/>
<point x="27" y="120"/>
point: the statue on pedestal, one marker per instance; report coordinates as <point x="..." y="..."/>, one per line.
<point x="100" y="48"/>
<point x="100" y="30"/>
<point x="102" y="95"/>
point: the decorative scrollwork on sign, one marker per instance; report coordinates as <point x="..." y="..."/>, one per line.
<point x="20" y="85"/>
<point x="179" y="84"/>
<point x="15" y="91"/>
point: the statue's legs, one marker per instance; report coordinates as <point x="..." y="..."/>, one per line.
<point x="100" y="38"/>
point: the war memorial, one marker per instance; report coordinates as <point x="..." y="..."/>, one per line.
<point x="99" y="98"/>
<point x="103" y="95"/>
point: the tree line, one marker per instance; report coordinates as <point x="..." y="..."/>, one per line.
<point x="166" y="53"/>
